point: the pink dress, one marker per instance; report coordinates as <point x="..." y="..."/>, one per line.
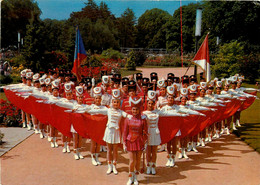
<point x="135" y="133"/>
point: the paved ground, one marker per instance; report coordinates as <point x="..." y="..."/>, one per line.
<point x="12" y="137"/>
<point x="224" y="161"/>
<point x="162" y="72"/>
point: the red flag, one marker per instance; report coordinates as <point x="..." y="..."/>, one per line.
<point x="79" y="56"/>
<point x="202" y="58"/>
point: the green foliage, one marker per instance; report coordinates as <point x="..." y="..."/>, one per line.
<point x="94" y="61"/>
<point x="16" y="15"/>
<point x="112" y="54"/>
<point x="167" y="61"/>
<point x="140" y="57"/>
<point x="131" y="62"/>
<point x="1" y="137"/>
<point x="228" y="60"/>
<point x="126" y="28"/>
<point x="17" y="61"/>
<point x="250" y="66"/>
<point x="151" y="29"/>
<point x="5" y="79"/>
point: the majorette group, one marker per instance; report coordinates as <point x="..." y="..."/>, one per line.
<point x="141" y="102"/>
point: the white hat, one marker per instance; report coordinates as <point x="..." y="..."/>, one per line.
<point x="170" y="90"/>
<point x="116" y="94"/>
<point x="135" y="101"/>
<point x="105" y="79"/>
<point x="79" y="90"/>
<point x="234" y="78"/>
<point x="23" y="73"/>
<point x="215" y="79"/>
<point x="36" y="77"/>
<point x="55" y="84"/>
<point x="97" y="91"/>
<point x="177" y="86"/>
<point x="161" y="83"/>
<point x="67" y="87"/>
<point x="219" y="83"/>
<point x="193" y="88"/>
<point x="151" y="95"/>
<point x="47" y="81"/>
<point x="44" y="76"/>
<point x="227" y="82"/>
<point x="42" y="81"/>
<point x="29" y="75"/>
<point x="203" y="85"/>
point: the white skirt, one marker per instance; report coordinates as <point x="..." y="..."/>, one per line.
<point x="154" y="138"/>
<point x="72" y="129"/>
<point x="112" y="136"/>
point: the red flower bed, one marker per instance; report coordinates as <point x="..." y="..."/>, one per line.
<point x="9" y="114"/>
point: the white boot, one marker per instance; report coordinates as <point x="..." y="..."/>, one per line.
<point x="162" y="148"/>
<point x="49" y="138"/>
<point x="209" y="136"/>
<point x="172" y="163"/>
<point x="148" y="168"/>
<point x="68" y="147"/>
<point x="169" y="160"/>
<point x="222" y="131"/>
<point x="94" y="162"/>
<point x="29" y="126"/>
<point x="52" y="142"/>
<point x="206" y="139"/>
<point x="184" y="153"/>
<point x="135" y="178"/>
<point x="79" y="154"/>
<point x="153" y="168"/>
<point x="202" y="142"/>
<point x="76" y="156"/>
<point x="238" y="123"/>
<point x="189" y="146"/>
<point x="234" y="126"/>
<point x="114" y="168"/>
<point x="97" y="160"/>
<point x="110" y="168"/>
<point x="217" y="133"/>
<point x="227" y="130"/>
<point x="41" y="134"/>
<point x="131" y="177"/>
<point x="64" y="150"/>
<point x="180" y="153"/>
<point x="194" y="148"/>
<point x="55" y="142"/>
<point x="199" y="141"/>
<point x="24" y="124"/>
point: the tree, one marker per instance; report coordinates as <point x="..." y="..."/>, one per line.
<point x="151" y="30"/>
<point x="228" y="60"/>
<point x="16" y="15"/>
<point x="126" y="28"/>
<point x="233" y="20"/>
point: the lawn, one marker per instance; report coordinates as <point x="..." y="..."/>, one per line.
<point x="125" y="72"/>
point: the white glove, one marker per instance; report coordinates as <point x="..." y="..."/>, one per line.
<point x="129" y="116"/>
<point x="93" y="82"/>
<point x="202" y="115"/>
<point x="184" y="115"/>
<point x="145" y="146"/>
<point x="124" y="147"/>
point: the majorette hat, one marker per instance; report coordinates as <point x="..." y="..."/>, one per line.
<point x="42" y="81"/>
<point x="97" y="91"/>
<point x="170" y="76"/>
<point x="125" y="81"/>
<point x="55" y="84"/>
<point x="203" y="85"/>
<point x="151" y="95"/>
<point x="36" y="77"/>
<point x="115" y="94"/>
<point x="67" y="87"/>
<point x="117" y="78"/>
<point x="234" y="79"/>
<point x="105" y="80"/>
<point x="215" y="79"/>
<point x="131" y="85"/>
<point x="47" y="81"/>
<point x="227" y="82"/>
<point x="240" y="78"/>
<point x="193" y="89"/>
<point x="219" y="84"/>
<point x="79" y="90"/>
<point x="153" y="76"/>
<point x="223" y="80"/>
<point x="161" y="83"/>
<point x="176" y="79"/>
<point x="211" y="84"/>
<point x="185" y="79"/>
<point x="135" y="101"/>
<point x="145" y="82"/>
<point x="29" y="75"/>
<point x="23" y="73"/>
<point x="184" y="93"/>
<point x="138" y="76"/>
<point x="170" y="90"/>
<point x="193" y="78"/>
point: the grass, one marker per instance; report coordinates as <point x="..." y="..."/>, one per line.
<point x="2" y="96"/>
<point x="249" y="132"/>
<point x="125" y="72"/>
<point x="160" y="66"/>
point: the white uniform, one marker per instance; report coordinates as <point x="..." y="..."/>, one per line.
<point x="106" y="99"/>
<point x="162" y="101"/>
<point x="112" y="133"/>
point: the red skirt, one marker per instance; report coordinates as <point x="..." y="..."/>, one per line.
<point x="137" y="145"/>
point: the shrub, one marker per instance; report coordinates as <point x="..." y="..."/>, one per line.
<point x="112" y="54"/>
<point x="131" y="62"/>
<point x="6" y="79"/>
<point x="140" y="57"/>
<point x="250" y="66"/>
<point x="1" y="137"/>
<point x="10" y="115"/>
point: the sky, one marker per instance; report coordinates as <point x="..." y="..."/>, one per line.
<point x="61" y="9"/>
